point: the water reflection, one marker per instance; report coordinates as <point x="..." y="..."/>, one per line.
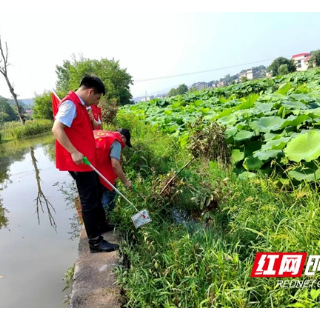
<point x="41" y="198"/>
<point x="72" y="200"/>
<point x="4" y="176"/>
<point x="34" y="257"/>
<point x="3" y="211"/>
<point x="16" y="151"/>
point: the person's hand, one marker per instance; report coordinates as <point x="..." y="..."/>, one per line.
<point x="91" y="117"/>
<point x="128" y="184"/>
<point x="77" y="157"/>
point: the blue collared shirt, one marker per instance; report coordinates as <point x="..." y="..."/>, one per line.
<point x="67" y="112"/>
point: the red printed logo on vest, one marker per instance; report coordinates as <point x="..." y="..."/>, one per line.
<point x="100" y="133"/>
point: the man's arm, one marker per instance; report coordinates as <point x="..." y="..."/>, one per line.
<point x="119" y="172"/>
<point x="95" y="123"/>
<point x="64" y="118"/>
<point x="60" y="135"/>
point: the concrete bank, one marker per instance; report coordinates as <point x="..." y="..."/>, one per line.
<point x="94" y="280"/>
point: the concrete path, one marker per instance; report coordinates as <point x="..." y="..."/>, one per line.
<point x="94" y="280"/>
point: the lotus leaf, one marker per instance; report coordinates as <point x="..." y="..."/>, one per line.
<point x="304" y="146"/>
<point x="263" y="107"/>
<point x="270" y="135"/>
<point x="230" y="131"/>
<point x="267" y="154"/>
<point x="314" y="113"/>
<point x="237" y="155"/>
<point x="198" y="103"/>
<point x="252" y="163"/>
<point x="294" y="120"/>
<point x="307" y="174"/>
<point x="282" y="112"/>
<point x="225" y="112"/>
<point x="241" y="125"/>
<point x="266" y="124"/>
<point x="301" y="97"/>
<point x="275" y="96"/>
<point x="283" y="89"/>
<point x="230" y="120"/>
<point x="249" y="103"/>
<point x="294" y="104"/>
<point x="246" y="175"/>
<point x="243" y="135"/>
<point x="276" y="144"/>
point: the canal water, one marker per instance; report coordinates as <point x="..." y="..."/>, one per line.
<point x="39" y="227"/>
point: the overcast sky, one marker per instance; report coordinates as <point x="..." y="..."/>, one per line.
<point x="149" y="45"/>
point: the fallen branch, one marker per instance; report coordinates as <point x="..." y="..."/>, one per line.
<point x="164" y="188"/>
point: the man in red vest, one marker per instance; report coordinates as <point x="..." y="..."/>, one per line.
<point x="74" y="139"/>
<point x="95" y="117"/>
<point x="108" y="162"/>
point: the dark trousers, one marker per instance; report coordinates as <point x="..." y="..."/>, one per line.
<point x="108" y="200"/>
<point x="93" y="215"/>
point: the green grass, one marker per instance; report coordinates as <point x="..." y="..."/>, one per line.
<point x="15" y="130"/>
<point x="206" y="261"/>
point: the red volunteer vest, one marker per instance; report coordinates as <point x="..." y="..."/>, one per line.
<point x="80" y="135"/>
<point x="96" y="111"/>
<point x="104" y="140"/>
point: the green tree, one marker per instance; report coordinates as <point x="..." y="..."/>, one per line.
<point x="63" y="73"/>
<point x="182" y="89"/>
<point x="283" y="69"/>
<point x="274" y="66"/>
<point x="43" y="106"/>
<point x="172" y="92"/>
<point x="244" y="79"/>
<point x="7" y="113"/>
<point x="192" y="89"/>
<point x="314" y="59"/>
<point x="227" y="79"/>
<point x="116" y="80"/>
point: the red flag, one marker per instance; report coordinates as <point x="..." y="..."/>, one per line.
<point x="55" y="103"/>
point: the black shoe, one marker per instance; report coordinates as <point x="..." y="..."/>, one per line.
<point x="103" y="246"/>
<point x="107" y="228"/>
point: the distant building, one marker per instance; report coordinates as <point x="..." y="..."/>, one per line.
<point x="148" y="98"/>
<point x="253" y="74"/>
<point x="220" y="84"/>
<point x="250" y="74"/>
<point x="200" y="85"/>
<point x="301" y="60"/>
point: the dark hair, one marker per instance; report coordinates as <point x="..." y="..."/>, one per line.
<point x="93" y="82"/>
<point x="126" y="133"/>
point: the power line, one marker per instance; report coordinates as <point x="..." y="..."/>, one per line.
<point x="187" y="74"/>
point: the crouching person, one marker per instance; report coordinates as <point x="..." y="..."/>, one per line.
<point x="109" y="146"/>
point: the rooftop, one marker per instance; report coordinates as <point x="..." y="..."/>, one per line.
<point x="300" y="55"/>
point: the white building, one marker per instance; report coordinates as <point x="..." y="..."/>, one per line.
<point x="250" y="74"/>
<point x="301" y="60"/>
